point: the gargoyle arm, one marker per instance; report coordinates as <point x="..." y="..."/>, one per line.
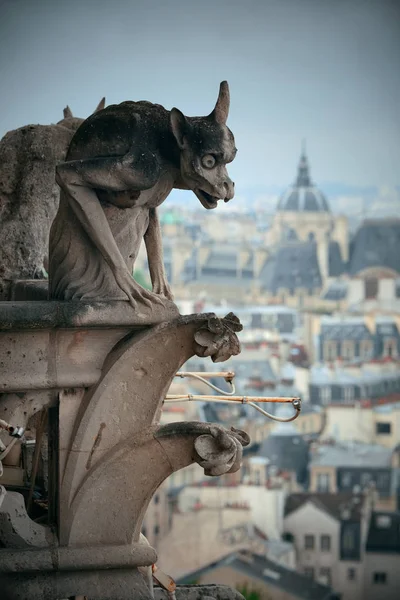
<point x="78" y="179"/>
<point x="153" y="242"/>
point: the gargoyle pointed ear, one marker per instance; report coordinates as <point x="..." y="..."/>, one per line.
<point x="221" y="110"/>
<point x="179" y="125"/>
<point x="100" y="105"/>
<point x="67" y="113"/>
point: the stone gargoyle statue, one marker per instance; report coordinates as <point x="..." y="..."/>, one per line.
<point x="121" y="165"/>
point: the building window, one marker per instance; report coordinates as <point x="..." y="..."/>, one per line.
<point x="383" y="521"/>
<point x="348" y="350"/>
<point x="309" y="572"/>
<point x="365" y="479"/>
<point x="383" y="428"/>
<point x="323" y="482"/>
<point x="325" y="543"/>
<point x="390" y="348"/>
<point x="379" y="577"/>
<point x="330" y="350"/>
<point x="348" y="540"/>
<point x="346" y="479"/>
<point x="366" y="349"/>
<point x="348" y="393"/>
<point x="383" y="481"/>
<point x="351" y="574"/>
<point x="309" y="542"/>
<point x="156" y="529"/>
<point x="325" y="574"/>
<point x="371" y="289"/>
<point x="156" y="499"/>
<point x="326" y="395"/>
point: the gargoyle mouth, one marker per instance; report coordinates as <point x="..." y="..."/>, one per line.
<point x="206" y="199"/>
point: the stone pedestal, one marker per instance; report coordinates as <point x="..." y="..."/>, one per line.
<point x="104" y="380"/>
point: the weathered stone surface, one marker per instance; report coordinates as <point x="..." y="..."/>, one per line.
<point x="55" y="558"/>
<point x="29" y="196"/>
<point x="110" y="584"/>
<point x="36" y="315"/>
<point x="17" y="530"/>
<point x="106" y="432"/>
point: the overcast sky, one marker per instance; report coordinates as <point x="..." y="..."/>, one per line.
<point x="326" y="70"/>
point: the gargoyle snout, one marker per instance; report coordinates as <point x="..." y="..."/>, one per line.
<point x="229" y="189"/>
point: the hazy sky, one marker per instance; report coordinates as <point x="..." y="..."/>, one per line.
<point x="327" y="70"/>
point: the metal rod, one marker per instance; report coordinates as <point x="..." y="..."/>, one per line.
<point x="228" y="375"/>
<point x="296" y="403"/>
<point x="241" y="399"/>
<point x="228" y="378"/>
<point x="296" y="406"/>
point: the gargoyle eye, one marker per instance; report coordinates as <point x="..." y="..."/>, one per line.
<point x="208" y="161"/>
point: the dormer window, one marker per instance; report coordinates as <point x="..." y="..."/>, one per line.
<point x="383" y="521"/>
<point x="330" y="350"/>
<point x="348" y="350"/>
<point x="390" y="348"/>
<point x="366" y="349"/>
<point x="371" y="289"/>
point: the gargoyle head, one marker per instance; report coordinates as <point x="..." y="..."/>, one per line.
<point x="206" y="147"/>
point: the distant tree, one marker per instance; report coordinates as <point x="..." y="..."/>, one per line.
<point x="141" y="278"/>
<point x="251" y="594"/>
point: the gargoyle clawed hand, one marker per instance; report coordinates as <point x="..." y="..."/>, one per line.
<point x="121" y="165"/>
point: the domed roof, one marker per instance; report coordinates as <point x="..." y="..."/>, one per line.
<point x="303" y="195"/>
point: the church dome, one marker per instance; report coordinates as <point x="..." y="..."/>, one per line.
<point x="303" y="196"/>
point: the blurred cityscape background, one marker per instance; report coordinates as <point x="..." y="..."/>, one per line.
<point x="307" y="255"/>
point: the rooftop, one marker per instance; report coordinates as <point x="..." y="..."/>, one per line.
<point x="294" y="265"/>
<point x="352" y="454"/>
<point x="362" y="374"/>
<point x="333" y="504"/>
<point x="265" y="570"/>
<point x="376" y="244"/>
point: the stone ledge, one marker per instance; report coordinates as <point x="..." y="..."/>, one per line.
<point x="200" y="592"/>
<point x="47" y="314"/>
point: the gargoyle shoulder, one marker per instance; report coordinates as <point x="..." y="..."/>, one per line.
<point x="112" y="131"/>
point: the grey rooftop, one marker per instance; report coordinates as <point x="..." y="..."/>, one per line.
<point x="352" y="454"/>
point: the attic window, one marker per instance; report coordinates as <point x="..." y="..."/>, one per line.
<point x="371" y="289"/>
<point x="390" y="348"/>
<point x="383" y="521"/>
<point x="271" y="574"/>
